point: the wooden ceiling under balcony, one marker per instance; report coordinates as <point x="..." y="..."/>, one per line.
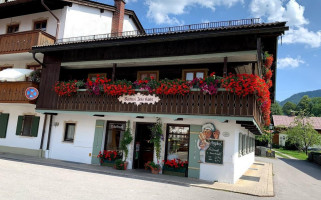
<point x="24" y="41"/>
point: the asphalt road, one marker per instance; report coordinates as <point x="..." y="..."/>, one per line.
<point x="293" y="180"/>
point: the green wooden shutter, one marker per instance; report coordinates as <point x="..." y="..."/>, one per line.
<point x="194" y="152"/>
<point x="19" y="125"/>
<point x="3" y="124"/>
<point x="35" y="126"/>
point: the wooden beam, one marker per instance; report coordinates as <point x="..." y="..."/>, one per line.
<point x="225" y="67"/>
<point x="253" y="68"/>
<point x="259" y="56"/>
<point x="114" y="72"/>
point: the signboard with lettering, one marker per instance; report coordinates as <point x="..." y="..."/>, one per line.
<point x="139" y="99"/>
<point x="214" y="153"/>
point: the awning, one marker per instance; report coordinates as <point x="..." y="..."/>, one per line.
<point x="14" y="74"/>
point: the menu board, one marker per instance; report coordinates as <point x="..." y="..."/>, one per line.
<point x="214" y="153"/>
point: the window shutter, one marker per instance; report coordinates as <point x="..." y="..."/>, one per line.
<point x="3" y="124"/>
<point x="19" y="125"/>
<point x="35" y="126"/>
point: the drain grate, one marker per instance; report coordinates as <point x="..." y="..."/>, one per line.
<point x="250" y="178"/>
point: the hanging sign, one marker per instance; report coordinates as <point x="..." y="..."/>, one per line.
<point x="139" y="99"/>
<point x="32" y="93"/>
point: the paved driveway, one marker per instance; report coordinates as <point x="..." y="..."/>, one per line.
<point x="20" y="180"/>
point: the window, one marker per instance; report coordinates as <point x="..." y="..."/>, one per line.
<point x="190" y="74"/>
<point x="40" y="25"/>
<point x="13" y="28"/>
<point x="93" y="77"/>
<point x="141" y="75"/>
<point x="28" y="126"/>
<point x="5" y="67"/>
<point x="177" y="143"/>
<point x="240" y="145"/>
<point x="3" y="124"/>
<point x="70" y="132"/>
<point x="115" y="131"/>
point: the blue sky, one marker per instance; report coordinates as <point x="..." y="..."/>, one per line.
<point x="299" y="67"/>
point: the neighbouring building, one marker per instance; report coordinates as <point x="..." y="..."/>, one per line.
<point x="283" y="122"/>
<point x="27" y="23"/>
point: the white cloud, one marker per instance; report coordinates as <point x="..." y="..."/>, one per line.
<point x="292" y="12"/>
<point x="303" y="36"/>
<point x="164" y="11"/>
<point x="289" y="62"/>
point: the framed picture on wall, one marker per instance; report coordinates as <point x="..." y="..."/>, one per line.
<point x="93" y="77"/>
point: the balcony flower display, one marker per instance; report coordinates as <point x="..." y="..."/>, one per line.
<point x="68" y="88"/>
<point x="96" y="87"/>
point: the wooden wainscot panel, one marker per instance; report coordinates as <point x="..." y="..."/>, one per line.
<point x="14" y="92"/>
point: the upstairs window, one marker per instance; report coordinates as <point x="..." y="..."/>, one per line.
<point x="141" y="75"/>
<point x="40" y="25"/>
<point x="190" y="74"/>
<point x="13" y="28"/>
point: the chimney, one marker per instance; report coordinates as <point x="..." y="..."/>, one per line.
<point x="118" y="18"/>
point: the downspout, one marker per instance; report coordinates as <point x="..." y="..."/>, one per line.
<point x="38" y="61"/>
<point x="58" y="21"/>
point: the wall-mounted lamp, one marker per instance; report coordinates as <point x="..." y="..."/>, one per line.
<point x="179" y="119"/>
<point x="99" y="115"/>
<point x="56" y="124"/>
<point x="140" y="117"/>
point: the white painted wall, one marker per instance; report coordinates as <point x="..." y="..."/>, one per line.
<point x="129" y="24"/>
<point x="26" y="22"/>
<point x="83" y="21"/>
<point x="232" y="169"/>
<point x="13" y="140"/>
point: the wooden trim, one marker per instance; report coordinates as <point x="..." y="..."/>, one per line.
<point x="139" y="73"/>
<point x="204" y="70"/>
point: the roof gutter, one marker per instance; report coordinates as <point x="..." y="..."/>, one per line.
<point x="58" y="21"/>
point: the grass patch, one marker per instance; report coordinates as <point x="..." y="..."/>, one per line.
<point x="282" y="155"/>
<point x="296" y="154"/>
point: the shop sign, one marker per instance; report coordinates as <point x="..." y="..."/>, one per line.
<point x="214" y="153"/>
<point x="226" y="134"/>
<point x="208" y="132"/>
<point x="139" y="99"/>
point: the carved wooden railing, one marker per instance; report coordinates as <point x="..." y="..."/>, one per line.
<point x="24" y="41"/>
<point x="196" y="103"/>
<point x="14" y="92"/>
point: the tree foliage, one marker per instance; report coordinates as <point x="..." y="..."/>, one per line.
<point x="276" y="109"/>
<point x="288" y="108"/>
<point x="302" y="133"/>
<point x="126" y="140"/>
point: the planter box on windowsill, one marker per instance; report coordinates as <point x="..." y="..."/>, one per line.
<point x="174" y="172"/>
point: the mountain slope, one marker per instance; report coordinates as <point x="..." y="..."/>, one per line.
<point x="297" y="97"/>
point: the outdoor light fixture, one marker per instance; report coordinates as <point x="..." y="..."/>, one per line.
<point x="140" y="117"/>
<point x="99" y="115"/>
<point x="179" y="119"/>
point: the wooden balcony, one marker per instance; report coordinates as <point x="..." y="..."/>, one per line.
<point x="195" y="103"/>
<point x="24" y="41"/>
<point x="14" y="92"/>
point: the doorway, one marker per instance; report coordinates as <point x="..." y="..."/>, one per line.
<point x="143" y="149"/>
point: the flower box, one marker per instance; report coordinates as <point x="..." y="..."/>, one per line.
<point x="108" y="163"/>
<point x="174" y="172"/>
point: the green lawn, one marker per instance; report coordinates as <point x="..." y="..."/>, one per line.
<point x="296" y="154"/>
<point x="282" y="155"/>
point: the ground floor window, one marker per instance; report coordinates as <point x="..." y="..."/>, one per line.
<point x="28" y="125"/>
<point x="4" y="117"/>
<point x="114" y="133"/>
<point x="70" y="132"/>
<point x="177" y="144"/>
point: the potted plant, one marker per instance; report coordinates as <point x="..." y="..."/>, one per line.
<point x="126" y="140"/>
<point x="108" y="158"/>
<point x="155" y="168"/>
<point x="120" y="165"/>
<point x="157" y="136"/>
<point x="175" y="167"/>
<point x="35" y="76"/>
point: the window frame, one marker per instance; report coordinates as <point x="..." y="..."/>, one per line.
<point x="185" y="71"/>
<point x="139" y="73"/>
<point x="107" y="130"/>
<point x="65" y="132"/>
<point x="12" y="25"/>
<point x="40" y="21"/>
<point x="24" y="125"/>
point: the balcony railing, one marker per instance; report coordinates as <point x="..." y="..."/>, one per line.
<point x="155" y="31"/>
<point x="24" y="41"/>
<point x="196" y="103"/>
<point x="14" y="92"/>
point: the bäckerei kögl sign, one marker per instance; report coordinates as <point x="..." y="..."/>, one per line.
<point x="139" y="99"/>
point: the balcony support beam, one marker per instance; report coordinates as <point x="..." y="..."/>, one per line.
<point x="114" y="72"/>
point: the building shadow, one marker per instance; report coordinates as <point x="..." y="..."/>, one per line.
<point x="309" y="168"/>
<point x="108" y="171"/>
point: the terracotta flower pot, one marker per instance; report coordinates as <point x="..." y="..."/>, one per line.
<point x="125" y="165"/>
<point x="155" y="171"/>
